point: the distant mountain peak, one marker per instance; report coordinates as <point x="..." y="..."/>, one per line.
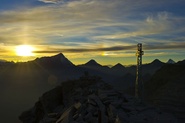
<point x="58" y="59"/>
<point x="118" y="66"/>
<point x="60" y="55"/>
<point x="157" y="62"/>
<point x="92" y="62"/>
<point x="61" y="58"/>
<point x="170" y="61"/>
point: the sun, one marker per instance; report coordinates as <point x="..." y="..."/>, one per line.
<point x="24" y="50"/>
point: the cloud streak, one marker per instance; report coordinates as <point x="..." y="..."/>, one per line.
<point x="117" y="48"/>
<point x="50" y="1"/>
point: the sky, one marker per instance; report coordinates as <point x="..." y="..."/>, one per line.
<point x="105" y="30"/>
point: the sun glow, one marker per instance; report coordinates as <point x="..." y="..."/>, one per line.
<point x="24" y="50"/>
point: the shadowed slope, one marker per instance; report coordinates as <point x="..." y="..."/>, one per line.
<point x="166" y="89"/>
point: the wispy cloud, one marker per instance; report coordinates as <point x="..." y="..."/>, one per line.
<point x="83" y="19"/>
<point x="152" y="25"/>
<point x="160" y="46"/>
<point x="50" y="1"/>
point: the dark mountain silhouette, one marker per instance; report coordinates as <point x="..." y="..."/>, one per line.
<point x="149" y="68"/>
<point x="1" y="61"/>
<point x="22" y="83"/>
<point x="181" y="62"/>
<point x="166" y="89"/>
<point x="93" y="63"/>
<point x="156" y="62"/>
<point x="127" y="75"/>
<point x="96" y="69"/>
<point x="125" y="82"/>
<point x="4" y="63"/>
<point x="152" y="67"/>
<point x="56" y="61"/>
<point x="118" y="67"/>
<point x="170" y="61"/>
<point x="31" y="79"/>
<point x="60" y="66"/>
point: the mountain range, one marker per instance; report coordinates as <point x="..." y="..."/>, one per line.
<point x="33" y="78"/>
<point x="78" y="100"/>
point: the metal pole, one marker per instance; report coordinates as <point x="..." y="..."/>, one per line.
<point x="139" y="82"/>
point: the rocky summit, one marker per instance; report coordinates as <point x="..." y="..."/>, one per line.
<point x="90" y="100"/>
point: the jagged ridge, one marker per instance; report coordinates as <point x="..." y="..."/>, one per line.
<point x="90" y="100"/>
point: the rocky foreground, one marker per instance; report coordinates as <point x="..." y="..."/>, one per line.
<point x="90" y="100"/>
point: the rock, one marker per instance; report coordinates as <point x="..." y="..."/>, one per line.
<point x="128" y="108"/>
<point x="100" y="105"/>
<point x="92" y="102"/>
<point x="66" y="117"/>
<point x="48" y="120"/>
<point x="102" y="118"/>
<point x="98" y="102"/>
<point x="111" y="111"/>
<point x="91" y="109"/>
<point x="117" y="103"/>
<point x="89" y="118"/>
<point x="122" y="117"/>
<point x="77" y="105"/>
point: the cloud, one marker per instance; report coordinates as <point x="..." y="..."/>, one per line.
<point x="152" y="25"/>
<point x="160" y="46"/>
<point x="164" y="46"/>
<point x="73" y="19"/>
<point x="50" y="1"/>
<point x="80" y="50"/>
